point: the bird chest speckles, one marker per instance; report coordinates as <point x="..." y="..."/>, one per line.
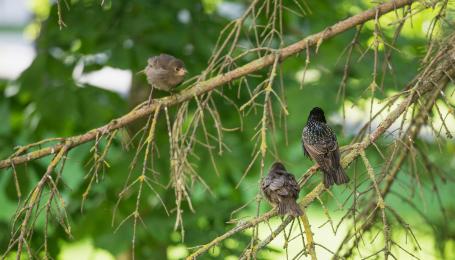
<point x="317" y="132"/>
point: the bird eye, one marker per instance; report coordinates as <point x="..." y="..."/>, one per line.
<point x="177" y="68"/>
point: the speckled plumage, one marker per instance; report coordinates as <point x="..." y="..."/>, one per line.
<point x="164" y="72"/>
<point x="281" y="189"/>
<point x="320" y="144"/>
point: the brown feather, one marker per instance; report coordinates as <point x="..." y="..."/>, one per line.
<point x="281" y="189"/>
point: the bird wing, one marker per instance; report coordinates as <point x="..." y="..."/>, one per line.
<point x="318" y="140"/>
<point x="326" y="154"/>
<point x="305" y="152"/>
<point x="321" y="144"/>
<point x="160" y="62"/>
<point x="321" y="148"/>
<point x="152" y="61"/>
<point x="265" y="183"/>
<point x="159" y="73"/>
<point x="283" y="192"/>
<point x="303" y="143"/>
<point x="289" y="188"/>
<point x="294" y="187"/>
<point x="269" y="186"/>
<point x="277" y="183"/>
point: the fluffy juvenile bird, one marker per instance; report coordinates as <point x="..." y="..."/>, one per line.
<point x="164" y="72"/>
<point x="281" y="189"/>
<point x="320" y="144"/>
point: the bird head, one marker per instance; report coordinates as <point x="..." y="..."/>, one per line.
<point x="278" y="167"/>
<point x="317" y="114"/>
<point x="178" y="67"/>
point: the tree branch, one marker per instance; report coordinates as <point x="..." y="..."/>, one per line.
<point x="309" y="236"/>
<point x="438" y="72"/>
<point x="202" y="87"/>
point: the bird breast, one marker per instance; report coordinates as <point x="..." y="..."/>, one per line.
<point x="316" y="133"/>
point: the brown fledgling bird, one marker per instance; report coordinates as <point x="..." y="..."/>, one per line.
<point x="320" y="144"/>
<point x="281" y="189"/>
<point x="165" y="72"/>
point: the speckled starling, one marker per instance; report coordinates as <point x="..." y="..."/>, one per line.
<point x="281" y="189"/>
<point x="165" y="72"/>
<point x="320" y="144"/>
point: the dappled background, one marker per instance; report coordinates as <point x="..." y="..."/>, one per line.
<point x="67" y="67"/>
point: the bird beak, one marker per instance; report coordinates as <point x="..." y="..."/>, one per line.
<point x="182" y="72"/>
<point x="139" y="72"/>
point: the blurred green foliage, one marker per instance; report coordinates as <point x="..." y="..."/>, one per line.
<point x="49" y="103"/>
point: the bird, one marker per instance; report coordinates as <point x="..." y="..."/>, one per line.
<point x="320" y="144"/>
<point x="165" y="72"/>
<point x="281" y="189"/>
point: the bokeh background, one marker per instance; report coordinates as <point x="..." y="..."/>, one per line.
<point x="62" y="82"/>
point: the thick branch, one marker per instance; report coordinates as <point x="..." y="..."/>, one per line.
<point x="205" y="86"/>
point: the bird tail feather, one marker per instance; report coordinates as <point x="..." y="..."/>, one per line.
<point x="340" y="176"/>
<point x="289" y="206"/>
<point x="283" y="208"/>
<point x="328" y="180"/>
